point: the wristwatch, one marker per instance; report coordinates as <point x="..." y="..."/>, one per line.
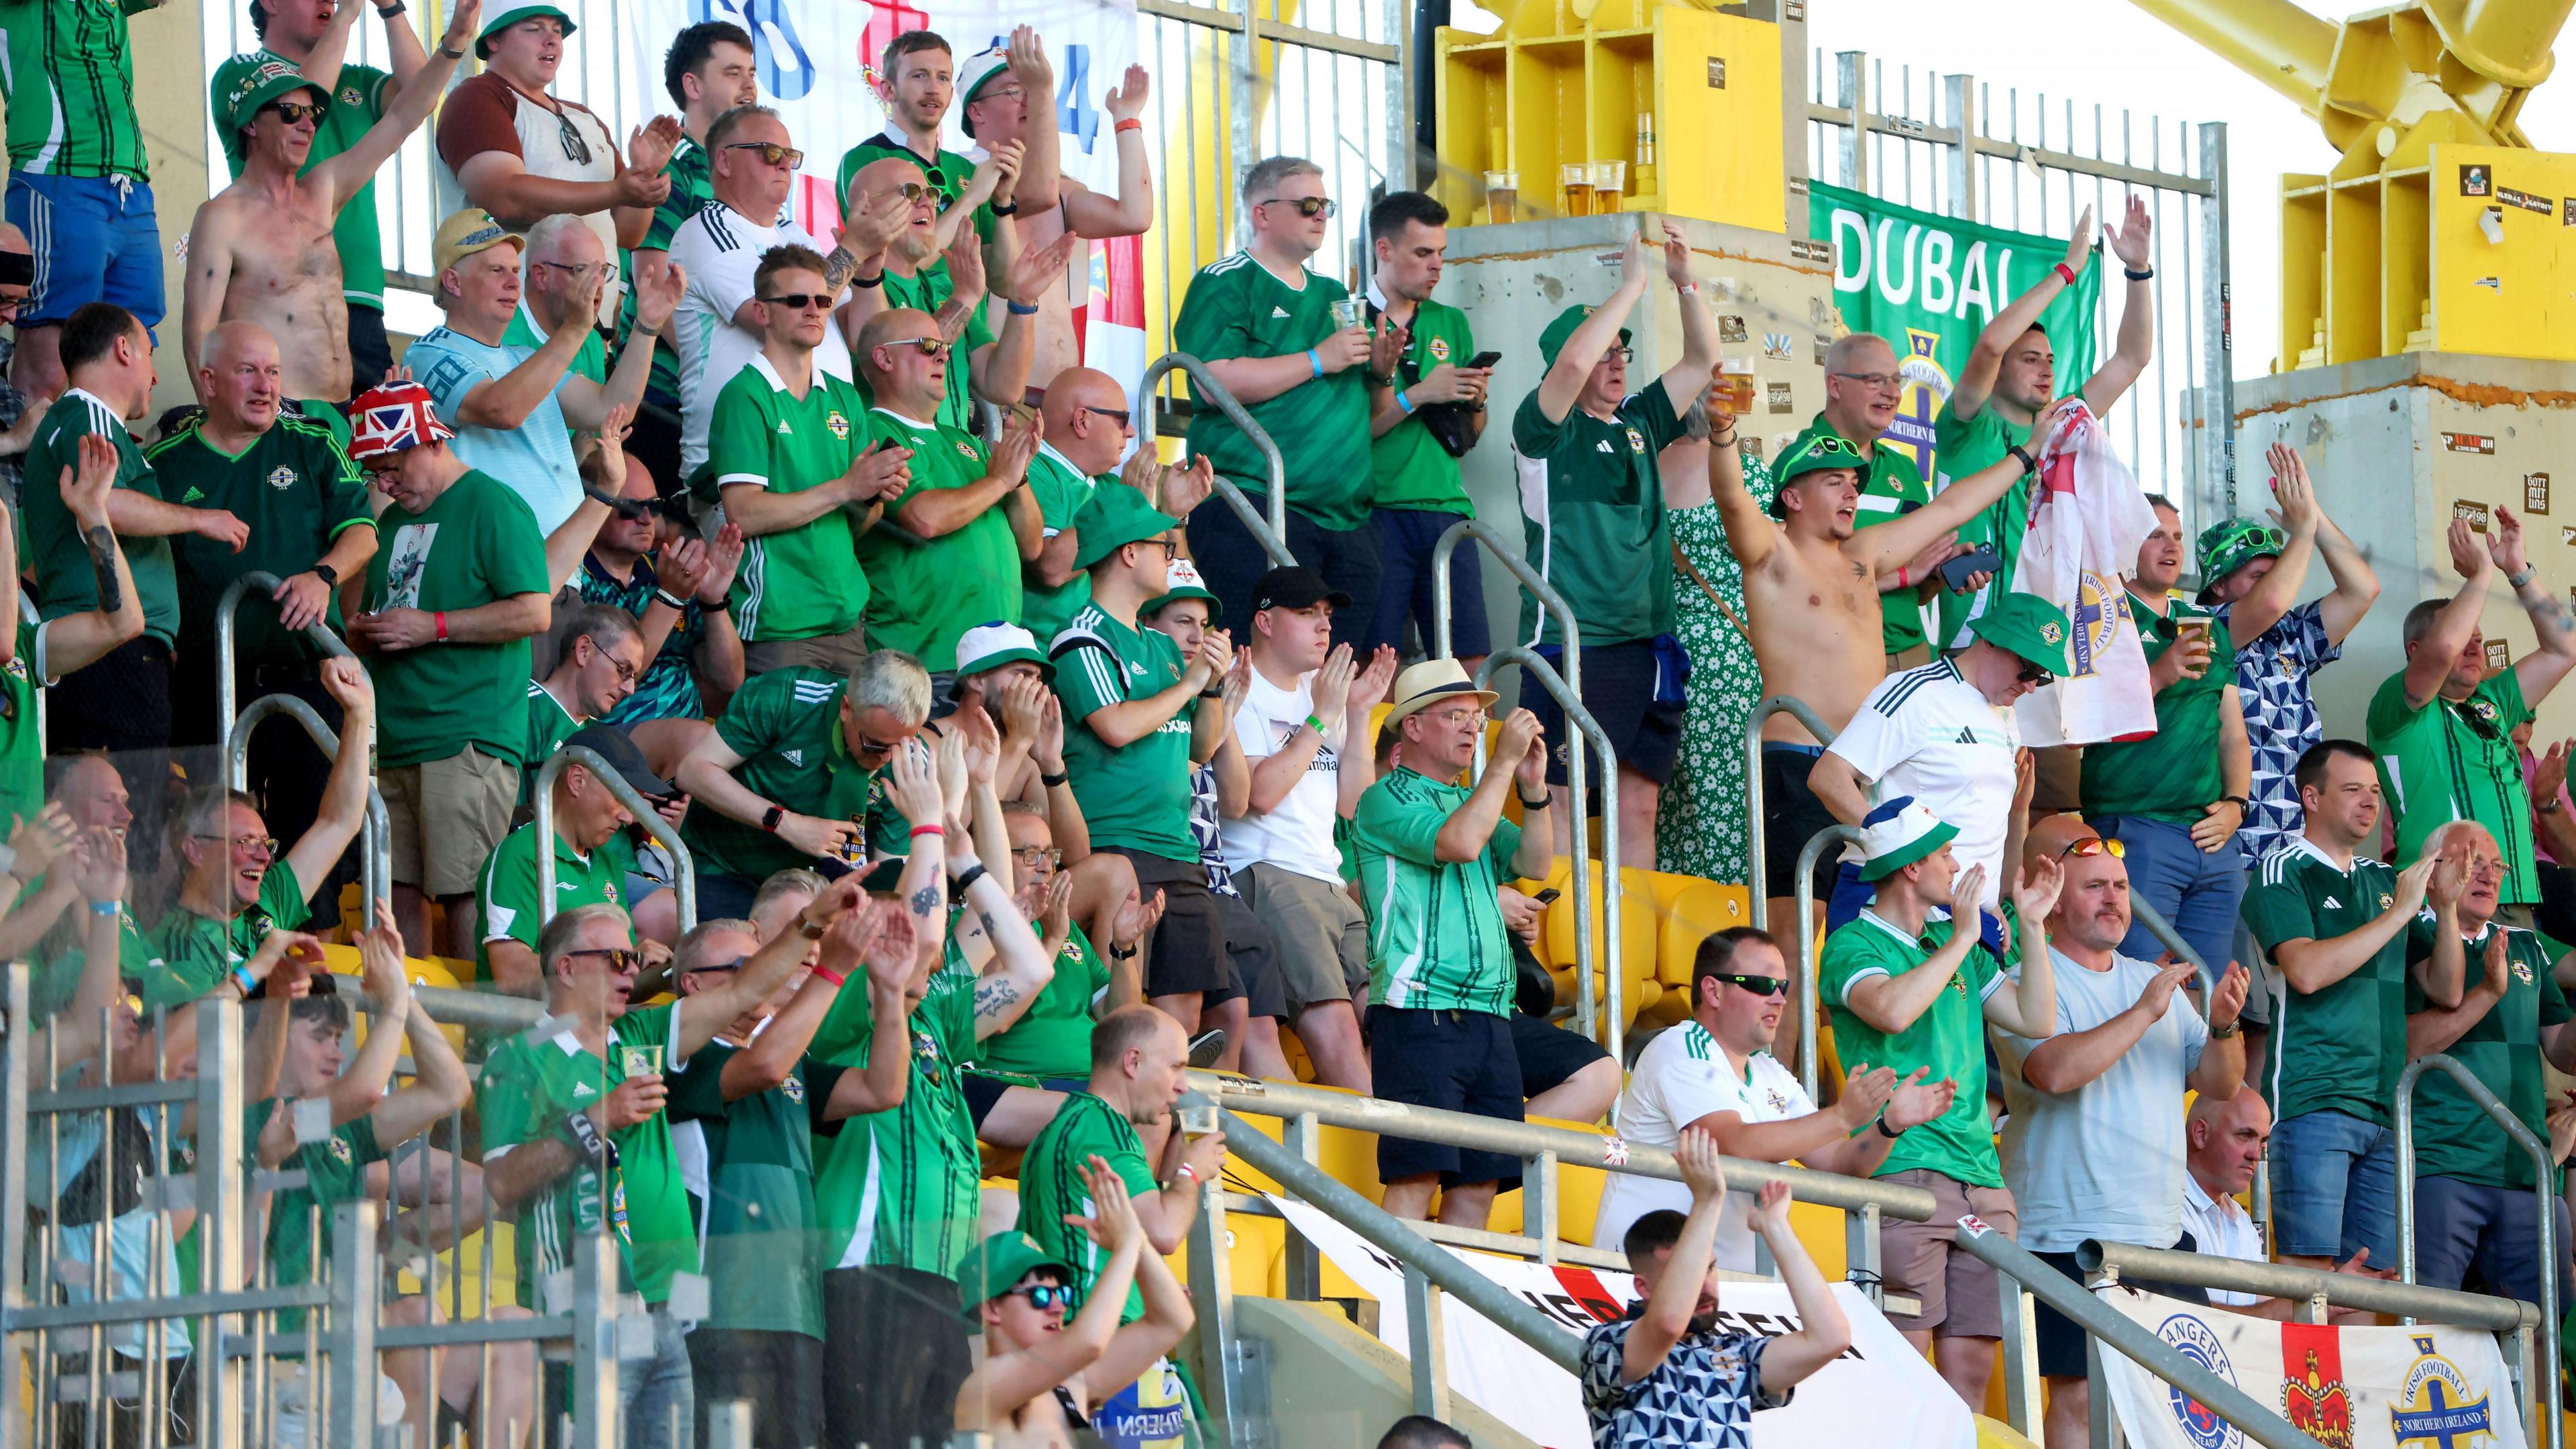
<point x="329" y="576"/>
<point x="770" y="818"/>
<point x="2222" y="1033"/>
<point x="2518" y="580"/>
<point x="2029" y="464"/>
<point x="2244" y="807"/>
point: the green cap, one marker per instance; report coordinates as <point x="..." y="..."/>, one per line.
<point x="265" y="83"/>
<point x="2233" y="542"/>
<point x="979" y="72"/>
<point x="1898" y="833"/>
<point x="1813" y="451"/>
<point x="1182" y="581"/>
<point x="994" y="1266"/>
<point x="1114" y="517"/>
<point x="511" y="15"/>
<point x="1552" y="341"/>
<point x="2027" y="627"/>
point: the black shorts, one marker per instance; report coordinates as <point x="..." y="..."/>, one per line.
<point x="1549" y="1054"/>
<point x="1457" y="1061"/>
<point x="371" y="353"/>
<point x="1253" y="957"/>
<point x="1186" y="950"/>
<point x="1791" y="816"/>
<point x="1629" y="692"/>
<point x="982" y="1093"/>
<point x="2061" y="1343"/>
<point x="780" y="1373"/>
<point x="895" y="1353"/>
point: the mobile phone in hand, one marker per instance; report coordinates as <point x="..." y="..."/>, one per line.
<point x="1980" y="560"/>
<point x="1484" y="359"/>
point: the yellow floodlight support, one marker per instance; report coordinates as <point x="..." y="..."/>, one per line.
<point x="2429" y="232"/>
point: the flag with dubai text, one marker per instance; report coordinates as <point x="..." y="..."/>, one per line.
<point x="2345" y="1387"/>
<point x="817" y="62"/>
<point x="2087" y="518"/>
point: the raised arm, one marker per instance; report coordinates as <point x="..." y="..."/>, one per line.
<point x="2429" y="663"/>
<point x="1687" y="378"/>
<point x="1985" y="360"/>
<point x="344" y="795"/>
<point x="2133" y="243"/>
<point x="703" y="1014"/>
<point x="2434" y="1028"/>
<point x="1131" y="211"/>
<point x="1751" y="534"/>
<point x="76" y="641"/>
<point x="405" y="111"/>
<point x="439" y="1085"/>
<point x="2278" y="591"/>
<point x="1564" y="383"/>
<point x="994" y="1393"/>
<point x="2541" y="669"/>
<point x="1887" y="546"/>
<point x="2030" y="1009"/>
<point x="1676" y="1293"/>
<point x="1894" y="1003"/>
<point x="2356" y="585"/>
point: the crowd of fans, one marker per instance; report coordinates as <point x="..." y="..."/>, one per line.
<point x="1016" y="781"/>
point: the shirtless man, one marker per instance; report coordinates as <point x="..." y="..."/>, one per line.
<point x="261" y="250"/>
<point x="1041" y="1376"/>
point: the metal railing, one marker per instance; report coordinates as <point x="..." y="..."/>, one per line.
<point x="375" y="832"/>
<point x="1205" y="391"/>
<point x="1809" y="989"/>
<point x="1757" y="874"/>
<point x="542" y="794"/>
<point x="27" y="610"/>
<point x="2544" y="1201"/>
<point x="227" y="626"/>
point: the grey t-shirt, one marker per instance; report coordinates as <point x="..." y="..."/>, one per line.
<point x="2106" y="1160"/>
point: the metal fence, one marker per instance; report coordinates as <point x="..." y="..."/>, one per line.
<point x="2029" y="161"/>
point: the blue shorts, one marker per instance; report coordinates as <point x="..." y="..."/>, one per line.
<point x="1634" y="692"/>
<point x="2334" y="1187"/>
<point x="95" y="241"/>
<point x="1405" y="539"/>
<point x="2474" y="1235"/>
<point x="1457" y="1061"/>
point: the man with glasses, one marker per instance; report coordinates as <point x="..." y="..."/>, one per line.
<point x="1593" y="524"/>
<point x="1088" y="432"/>
<point x="594" y="860"/>
<point x="453" y="595"/>
<point x="2443" y="726"/>
<point x="563" y="257"/>
<point x="794" y="772"/>
<point x="790" y="451"/>
<point x="674" y="585"/>
<point x="236" y="882"/>
<point x="1714" y="1071"/>
<point x="512" y="405"/>
<point x="2334" y="923"/>
<point x="1289" y="343"/>
<point x="599" y="656"/>
<point x="1432" y="854"/>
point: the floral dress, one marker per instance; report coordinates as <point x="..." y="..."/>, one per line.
<point x="1701" y="828"/>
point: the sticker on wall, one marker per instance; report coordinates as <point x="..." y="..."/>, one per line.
<point x="2535" y="493"/>
<point x="1753" y="449"/>
<point x="2469" y="442"/>
<point x="1780" y="402"/>
<point x="2499" y="654"/>
<point x="2567" y="212"/>
<point x="1776" y="346"/>
<point x="2567" y="536"/>
<point x="2473" y="514"/>
<point x="1730" y="329"/>
<point x="1801" y="249"/>
<point x="2476" y="180"/>
<point x="1717" y="72"/>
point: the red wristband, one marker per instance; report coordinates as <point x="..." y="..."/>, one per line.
<point x="440" y="620"/>
<point x="2066" y="274"/>
<point x="928" y="830"/>
<point x="1130" y="124"/>
<point x="1902" y="581"/>
<point x="826" y="974"/>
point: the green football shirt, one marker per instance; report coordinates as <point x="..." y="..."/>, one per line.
<point x="2456" y="760"/>
<point x="549" y="725"/>
<point x="1060" y="489"/>
<point x="2175" y="773"/>
<point x="1436" y="938"/>
<point x="527" y="1088"/>
<point x="1963" y="448"/>
<point x="928" y="291"/>
<point x="946" y="171"/>
<point x="71" y="89"/>
<point x="1592" y="516"/>
<point x="925" y="596"/>
<point x="900" y="1188"/>
<point x="1052" y="1039"/>
<point x="590" y="362"/>
<point x="2454" y="1137"/>
<point x="195" y="951"/>
<point x="296" y="488"/>
<point x="475" y="544"/>
<point x="1136" y="795"/>
<point x="505" y="895"/>
<point x="759" y="1229"/>
<point x="1237" y="308"/>
<point x="1894" y="487"/>
<point x="1410" y="468"/>
<point x="692" y="187"/>
<point x="2340" y="1048"/>
<point x="22" y="746"/>
<point x="1050" y="1188"/>
<point x="804" y="581"/>
<point x="357" y="103"/>
<point x="52" y="549"/>
<point x="1947" y="1040"/>
<point x="786" y="726"/>
<point x="300" y="1226"/>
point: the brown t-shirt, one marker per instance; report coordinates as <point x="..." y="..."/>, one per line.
<point x="482" y="114"/>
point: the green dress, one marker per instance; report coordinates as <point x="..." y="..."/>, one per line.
<point x="1701" y="828"/>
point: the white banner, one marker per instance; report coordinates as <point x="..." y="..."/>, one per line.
<point x="1880" y="1393"/>
<point x="2351" y="1388"/>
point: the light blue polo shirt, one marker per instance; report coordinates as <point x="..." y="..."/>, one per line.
<point x="533" y="460"/>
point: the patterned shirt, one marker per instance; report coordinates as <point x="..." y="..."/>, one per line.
<point x="1702" y="1395"/>
<point x="2281" y="718"/>
<point x="1207" y="828"/>
<point x="669" y="688"/>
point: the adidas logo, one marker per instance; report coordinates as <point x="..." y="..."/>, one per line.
<point x="794" y="757"/>
<point x="581" y="1090"/>
<point x="783" y="428"/>
<point x="1967" y="737"/>
<point x="1604" y="447"/>
<point x="2332" y="904"/>
<point x="193" y="494"/>
<point x="1278" y="311"/>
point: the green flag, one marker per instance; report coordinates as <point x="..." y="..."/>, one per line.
<point x="1929" y="284"/>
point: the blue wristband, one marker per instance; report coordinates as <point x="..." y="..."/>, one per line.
<point x="104" y="908"/>
<point x="1315" y="360"/>
<point x="1021" y="309"/>
<point x="1404" y="402"/>
<point x="242" y="978"/>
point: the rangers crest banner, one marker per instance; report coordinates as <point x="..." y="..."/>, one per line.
<point x="2347" y="1388"/>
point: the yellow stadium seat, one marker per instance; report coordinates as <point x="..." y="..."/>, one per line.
<point x="1693" y="910"/>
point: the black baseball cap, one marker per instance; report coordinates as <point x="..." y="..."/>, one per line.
<point x="1295" y="588"/>
<point x="621" y="754"/>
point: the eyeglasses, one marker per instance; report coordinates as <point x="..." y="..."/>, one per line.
<point x="380" y="469"/>
<point x="735" y="964"/>
<point x="265" y="845"/>
<point x="619" y="958"/>
<point x="2092" y="845"/>
<point x="1472" y="719"/>
<point x="1170" y="549"/>
<point x="1032" y="854"/>
<point x="2033" y="674"/>
<point x="1309" y="207"/>
<point x="1043" y="1296"/>
<point x="1876" y="381"/>
<point x="910" y="190"/>
<point x="625" y="671"/>
<point x="771" y="153"/>
<point x="1120" y="414"/>
<point x="296" y="112"/>
<point x="605" y="271"/>
<point x="576" y="147"/>
<point x="933" y="348"/>
<point x="801" y="301"/>
<point x="1622" y="351"/>
<point x="1758" y="985"/>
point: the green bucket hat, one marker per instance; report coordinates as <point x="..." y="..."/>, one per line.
<point x="511" y="15"/>
<point x="1114" y="517"/>
<point x="2027" y="626"/>
<point x="1813" y="451"/>
<point x="1897" y="834"/>
<point x="994" y="1266"/>
<point x="264" y="84"/>
<point x="1552" y="341"/>
<point x="1182" y="581"/>
<point x="2231" y="543"/>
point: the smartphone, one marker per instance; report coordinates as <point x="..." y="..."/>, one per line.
<point x="639" y="1061"/>
<point x="1484" y="359"/>
<point x="1981" y="560"/>
<point x="1547" y="897"/>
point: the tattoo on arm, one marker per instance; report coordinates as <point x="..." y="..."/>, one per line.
<point x="102" y="560"/>
<point x="990" y="929"/>
<point x="994" y="997"/>
<point x="838" y="268"/>
<point x="925" y="900"/>
<point x="1859" y="570"/>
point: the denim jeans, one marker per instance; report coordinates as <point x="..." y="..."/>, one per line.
<point x="656" y="1391"/>
<point x="2471" y="1232"/>
<point x="2196" y="890"/>
<point x="2334" y="1187"/>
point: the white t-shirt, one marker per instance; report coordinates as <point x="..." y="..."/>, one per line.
<point x="1928" y="733"/>
<point x="720" y="248"/>
<point x="2221" y="1228"/>
<point x="1297" y="833"/>
<point x="1682" y="1076"/>
<point x="2105" y="1160"/>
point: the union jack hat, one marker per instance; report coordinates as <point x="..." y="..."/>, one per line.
<point x="393" y="417"/>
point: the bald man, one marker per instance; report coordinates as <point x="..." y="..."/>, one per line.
<point x="1088" y="430"/>
<point x="288" y="478"/>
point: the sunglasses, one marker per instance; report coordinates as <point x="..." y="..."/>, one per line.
<point x="619" y="958"/>
<point x="771" y="153"/>
<point x="2092" y="845"/>
<point x="296" y="112"/>
<point x="735" y="964"/>
<point x="819" y="301"/>
<point x="913" y="190"/>
<point x="933" y="348"/>
<point x="576" y="148"/>
<point x="2033" y="674"/>
<point x="1758" y="985"/>
<point x="1043" y="1296"/>
<point x="1121" y="414"/>
<point x="1307" y="206"/>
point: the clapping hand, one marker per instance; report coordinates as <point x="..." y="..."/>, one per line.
<point x="35" y="844"/>
<point x="1917" y="1101"/>
<point x="1702" y="1170"/>
<point x="2228" y="1001"/>
<point x="916" y="783"/>
<point x="1135" y="917"/>
<point x="2504" y="541"/>
<point x="1865" y="1090"/>
<point x="2133" y="242"/>
<point x="2158" y="995"/>
<point x="1112" y="1223"/>
<point x="2291" y="489"/>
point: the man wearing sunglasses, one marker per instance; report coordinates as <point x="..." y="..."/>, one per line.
<point x="1088" y="430"/>
<point x="915" y="81"/>
<point x="1862" y="389"/>
<point x="1274" y="334"/>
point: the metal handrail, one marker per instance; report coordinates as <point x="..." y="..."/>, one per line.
<point x="2543" y="1199"/>
<point x="225" y="626"/>
<point x="2284" y="1280"/>
<point x="542" y="793"/>
<point x="1577" y="795"/>
<point x="1810" y="990"/>
<point x="28" y="611"/>
<point x="1756" y="877"/>
<point x="1273" y="531"/>
<point x="1508" y="554"/>
<point x="375" y="832"/>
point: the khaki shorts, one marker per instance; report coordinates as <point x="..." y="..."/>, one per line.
<point x="447" y="817"/>
<point x="831" y="653"/>
<point x="1961" y="1295"/>
<point x="1319" y="938"/>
